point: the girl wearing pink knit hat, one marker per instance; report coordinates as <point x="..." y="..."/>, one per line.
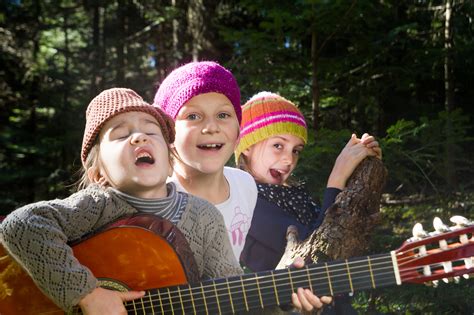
<point x="204" y="100"/>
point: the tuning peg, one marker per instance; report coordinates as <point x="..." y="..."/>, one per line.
<point x="439" y="226"/>
<point x="465" y="276"/>
<point x="457" y="279"/>
<point x="435" y="283"/>
<point x="460" y="221"/>
<point x="418" y="231"/>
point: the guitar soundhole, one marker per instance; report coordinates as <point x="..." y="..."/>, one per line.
<point x="112" y="284"/>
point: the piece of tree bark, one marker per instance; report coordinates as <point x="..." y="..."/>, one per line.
<point x="347" y="226"/>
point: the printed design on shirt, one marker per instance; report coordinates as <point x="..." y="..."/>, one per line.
<point x="239" y="227"/>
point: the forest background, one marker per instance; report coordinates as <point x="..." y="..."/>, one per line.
<point x="400" y="70"/>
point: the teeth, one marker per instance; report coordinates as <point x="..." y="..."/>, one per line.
<point x="143" y="154"/>
<point x="211" y="145"/>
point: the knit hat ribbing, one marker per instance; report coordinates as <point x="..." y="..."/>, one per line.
<point x="266" y="115"/>
<point x="196" y="78"/>
<point x="112" y="102"/>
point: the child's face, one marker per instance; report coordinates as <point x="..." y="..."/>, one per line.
<point x="207" y="130"/>
<point x="271" y="161"/>
<point x="134" y="155"/>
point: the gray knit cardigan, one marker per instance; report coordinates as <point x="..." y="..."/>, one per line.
<point x="37" y="234"/>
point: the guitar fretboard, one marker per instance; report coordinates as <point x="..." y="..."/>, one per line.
<point x="268" y="288"/>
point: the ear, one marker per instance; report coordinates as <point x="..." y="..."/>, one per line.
<point x="246" y="152"/>
<point x="95" y="176"/>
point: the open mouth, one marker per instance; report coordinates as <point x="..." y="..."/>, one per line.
<point x="144" y="158"/>
<point x="210" y="146"/>
<point x="276" y="174"/>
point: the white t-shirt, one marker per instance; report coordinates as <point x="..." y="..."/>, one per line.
<point x="238" y="209"/>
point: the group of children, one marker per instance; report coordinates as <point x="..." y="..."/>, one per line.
<point x="169" y="159"/>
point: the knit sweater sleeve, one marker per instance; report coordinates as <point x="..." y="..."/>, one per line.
<point x="203" y="226"/>
<point x="37" y="234"/>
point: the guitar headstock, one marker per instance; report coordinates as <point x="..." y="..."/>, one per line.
<point x="447" y="253"/>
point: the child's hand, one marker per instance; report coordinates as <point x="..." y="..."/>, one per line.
<point x="103" y="301"/>
<point x="370" y="142"/>
<point x="353" y="153"/>
<point x="304" y="300"/>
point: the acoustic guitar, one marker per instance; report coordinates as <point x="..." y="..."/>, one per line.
<point x="133" y="255"/>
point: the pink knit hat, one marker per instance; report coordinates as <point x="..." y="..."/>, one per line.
<point x="110" y="103"/>
<point x="196" y="78"/>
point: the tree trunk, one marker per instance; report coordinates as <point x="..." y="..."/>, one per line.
<point x="347" y="226"/>
<point x="314" y="83"/>
<point x="95" y="57"/>
<point x="449" y="94"/>
<point x="196" y="27"/>
<point x="120" y="43"/>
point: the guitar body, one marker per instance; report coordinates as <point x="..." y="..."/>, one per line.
<point x="135" y="253"/>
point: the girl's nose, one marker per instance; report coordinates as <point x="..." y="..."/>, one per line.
<point x="139" y="138"/>
<point x="287" y="158"/>
<point x="211" y="126"/>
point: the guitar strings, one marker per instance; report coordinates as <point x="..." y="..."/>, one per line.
<point x="278" y="277"/>
<point x="238" y="306"/>
<point x="238" y="303"/>
<point x="254" y="298"/>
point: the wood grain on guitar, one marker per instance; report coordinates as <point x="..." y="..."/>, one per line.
<point x="143" y="260"/>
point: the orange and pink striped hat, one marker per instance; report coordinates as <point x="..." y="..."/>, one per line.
<point x="266" y="115"/>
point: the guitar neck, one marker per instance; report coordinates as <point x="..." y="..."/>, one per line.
<point x="268" y="288"/>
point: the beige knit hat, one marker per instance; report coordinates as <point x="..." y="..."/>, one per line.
<point x="112" y="102"/>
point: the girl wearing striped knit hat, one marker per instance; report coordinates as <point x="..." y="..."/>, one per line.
<point x="273" y="134"/>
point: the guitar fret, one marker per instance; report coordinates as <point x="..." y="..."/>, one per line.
<point x="171" y="301"/>
<point x="384" y="273"/>
<point x="217" y="297"/>
<point x="252" y="290"/>
<point x="259" y="291"/>
<point x="143" y="306"/>
<point x="274" y="286"/>
<point x="181" y="300"/>
<point x="192" y="299"/>
<point x="230" y="296"/>
<point x="291" y="280"/>
<point x="350" y="278"/>
<point x="151" y="303"/>
<point x="243" y="292"/>
<point x="371" y="272"/>
<point x="309" y="278"/>
<point x="204" y="299"/>
<point x="329" y="279"/>
<point x="132" y="303"/>
<point x="161" y="301"/>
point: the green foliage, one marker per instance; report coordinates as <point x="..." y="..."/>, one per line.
<point x="318" y="157"/>
<point x="415" y="153"/>
<point x="379" y="65"/>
